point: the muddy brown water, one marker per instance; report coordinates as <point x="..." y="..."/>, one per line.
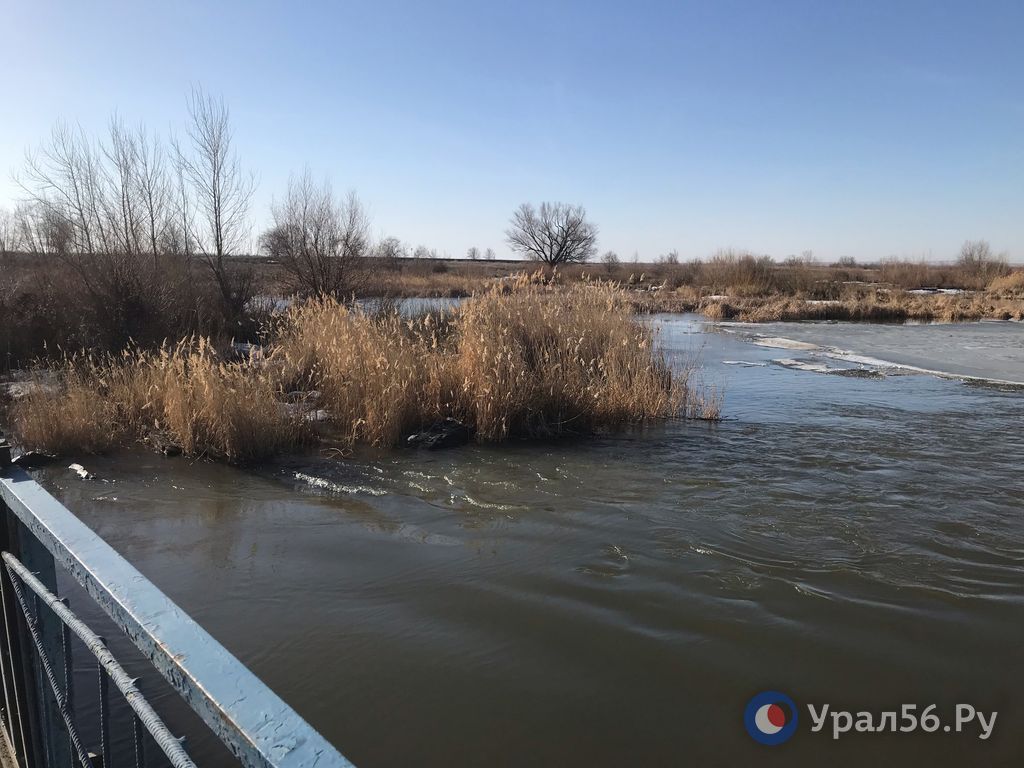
<point x="852" y="534"/>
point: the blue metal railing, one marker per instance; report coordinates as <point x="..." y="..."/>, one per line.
<point x="38" y="535"/>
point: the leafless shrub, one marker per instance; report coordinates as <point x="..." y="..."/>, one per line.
<point x="320" y="241"/>
<point x="611" y="262"/>
<point x="392" y="255"/>
<point x="977" y="260"/>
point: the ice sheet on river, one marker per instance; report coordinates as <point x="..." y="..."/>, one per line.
<point x="986" y="352"/>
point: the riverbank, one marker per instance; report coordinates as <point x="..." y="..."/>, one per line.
<point x="45" y="311"/>
<point x="854" y="303"/>
<point x="526" y="360"/>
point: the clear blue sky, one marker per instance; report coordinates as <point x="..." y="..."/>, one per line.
<point x="847" y="128"/>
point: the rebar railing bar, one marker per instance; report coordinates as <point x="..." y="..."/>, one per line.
<point x="69" y="667"/>
<point x="33" y="629"/>
<point x="14" y="686"/>
<point x="125" y="684"/>
<point x="140" y="745"/>
<point x="41" y="672"/>
<point x="104" y="712"/>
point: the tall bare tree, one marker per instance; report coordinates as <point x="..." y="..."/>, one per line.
<point x="64" y="177"/>
<point x="10" y="237"/>
<point x="154" y="190"/>
<point x="554" y="234"/>
<point x="319" y="240"/>
<point x="220" y="193"/>
<point x="121" y="203"/>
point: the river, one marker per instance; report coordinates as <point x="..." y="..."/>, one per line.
<point x="850" y="534"/>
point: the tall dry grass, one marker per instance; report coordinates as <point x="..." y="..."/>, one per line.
<point x="182" y="396"/>
<point x="1008" y="286"/>
<point x="867" y="305"/>
<point x="525" y="359"/>
<point x="521" y="360"/>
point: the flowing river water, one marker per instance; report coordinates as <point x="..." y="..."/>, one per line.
<point x="850" y="534"/>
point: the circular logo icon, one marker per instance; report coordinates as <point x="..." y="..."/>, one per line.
<point x="770" y="718"/>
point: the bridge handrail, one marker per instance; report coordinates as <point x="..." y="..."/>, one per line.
<point x="255" y="724"/>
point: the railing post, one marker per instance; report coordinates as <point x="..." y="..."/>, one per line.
<point x="21" y="711"/>
<point x="37" y="702"/>
<point x="37" y="559"/>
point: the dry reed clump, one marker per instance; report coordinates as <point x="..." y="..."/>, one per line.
<point x="520" y="360"/>
<point x="539" y="363"/>
<point x="1009" y="286"/>
<point x="867" y="305"/>
<point x="183" y="397"/>
<point x="62" y="414"/>
<point x="374" y="374"/>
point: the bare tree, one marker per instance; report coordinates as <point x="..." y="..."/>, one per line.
<point x="155" y="191"/>
<point x="611" y="261"/>
<point x="489" y="254"/>
<point x="473" y="254"/>
<point x="319" y="240"/>
<point x="10" y="236"/>
<point x="64" y="177"/>
<point x="391" y="254"/>
<point x="554" y="234"/>
<point x="120" y="204"/>
<point x="29" y="231"/>
<point x="220" y="193"/>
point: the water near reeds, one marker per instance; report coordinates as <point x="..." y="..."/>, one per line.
<point x="852" y="534"/>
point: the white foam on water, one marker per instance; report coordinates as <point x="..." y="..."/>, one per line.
<point x="327" y="485"/>
<point x="490" y="505"/>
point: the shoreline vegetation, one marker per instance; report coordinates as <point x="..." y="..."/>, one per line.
<point x="129" y="274"/>
<point x="524" y="360"/>
<point x="46" y="309"/>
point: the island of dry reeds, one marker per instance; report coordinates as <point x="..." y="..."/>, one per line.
<point x="518" y="361"/>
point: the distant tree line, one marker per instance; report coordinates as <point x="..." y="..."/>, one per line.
<point x="138" y="218"/>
